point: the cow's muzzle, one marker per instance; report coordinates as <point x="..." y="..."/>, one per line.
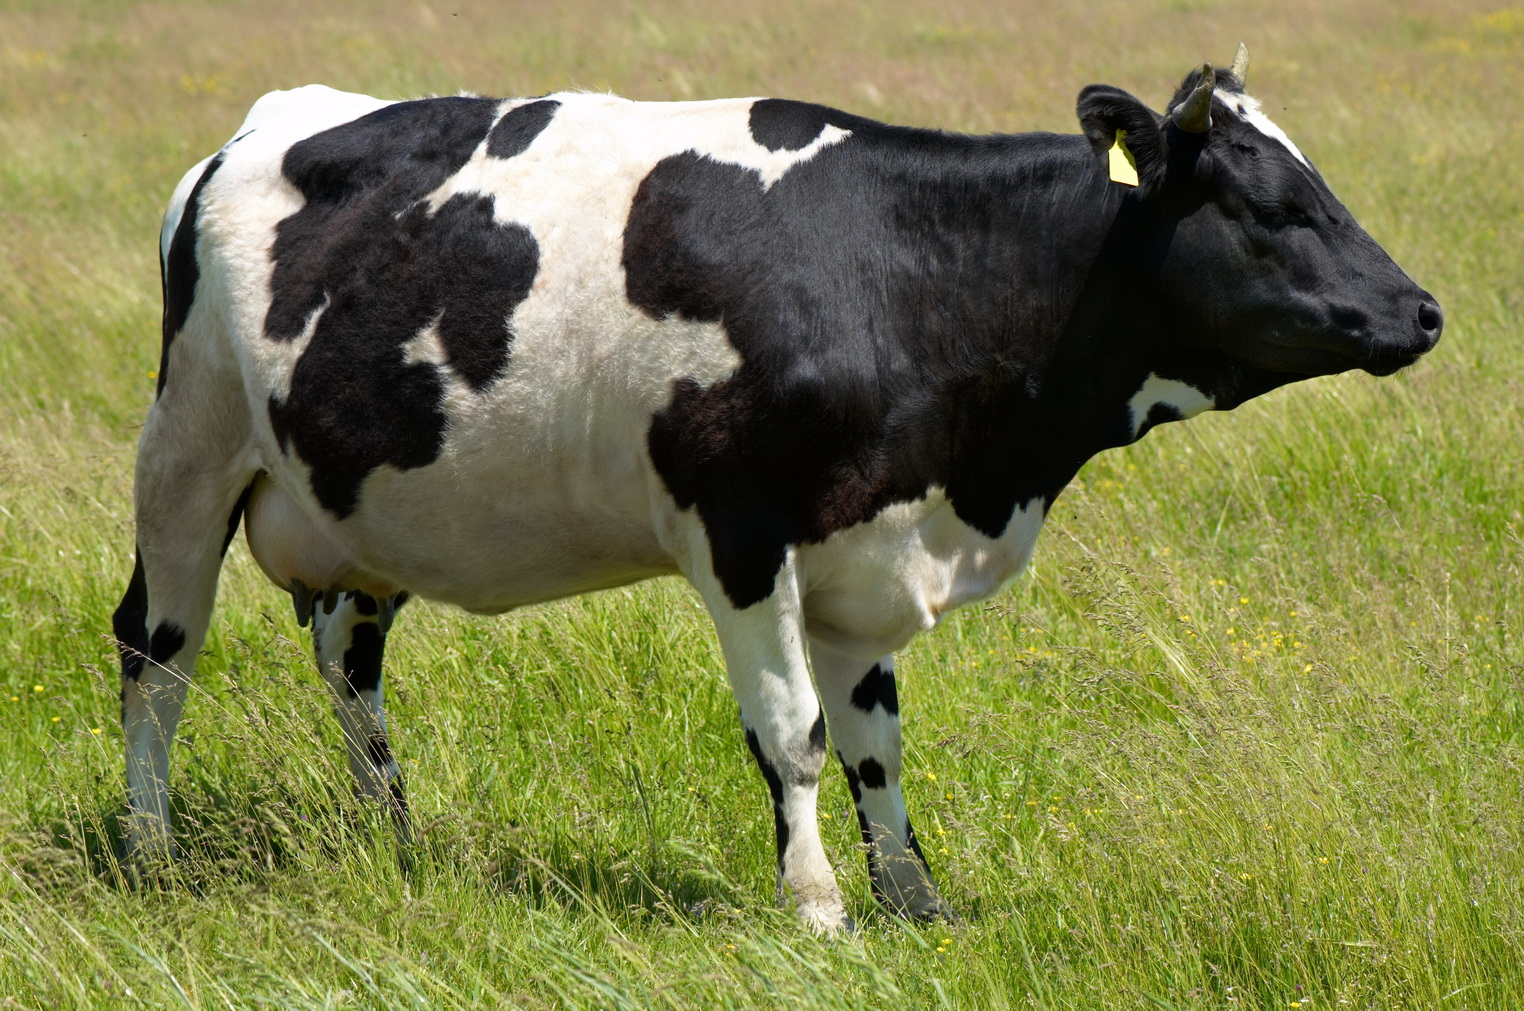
<point x="1428" y="324"/>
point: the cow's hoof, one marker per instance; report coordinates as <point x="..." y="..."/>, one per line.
<point x="917" y="902"/>
<point x="827" y="920"/>
<point x="147" y="868"/>
<point x="940" y="912"/>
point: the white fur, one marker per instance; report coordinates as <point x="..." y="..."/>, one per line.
<point x="1156" y="391"/>
<point x="177" y="202"/>
<point x="1248" y="109"/>
<point x="870" y="588"/>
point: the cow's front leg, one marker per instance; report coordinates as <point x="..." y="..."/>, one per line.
<point x="349" y="636"/>
<point x="785" y="730"/>
<point x="863" y="707"/>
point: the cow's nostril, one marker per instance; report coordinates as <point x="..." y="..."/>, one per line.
<point x="1431" y="318"/>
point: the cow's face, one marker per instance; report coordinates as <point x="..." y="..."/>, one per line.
<point x="1250" y="255"/>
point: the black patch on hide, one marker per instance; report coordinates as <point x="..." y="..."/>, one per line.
<point x="378" y="751"/>
<point x="873" y="775"/>
<point x="362" y="660"/>
<point x="873" y="306"/>
<point x="366" y="250"/>
<point x="129" y="622"/>
<point x="519" y="127"/>
<point x="782" y="125"/>
<point x="168" y="640"/>
<point x="775" y="788"/>
<point x="236" y="515"/>
<point x="877" y="689"/>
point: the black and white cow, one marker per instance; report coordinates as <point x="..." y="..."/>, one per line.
<point x="833" y="372"/>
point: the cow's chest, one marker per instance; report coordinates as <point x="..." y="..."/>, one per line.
<point x="869" y="589"/>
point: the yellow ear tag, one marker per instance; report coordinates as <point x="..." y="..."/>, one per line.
<point x="1124" y="169"/>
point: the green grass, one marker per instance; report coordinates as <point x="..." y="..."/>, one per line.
<point x="1248" y="734"/>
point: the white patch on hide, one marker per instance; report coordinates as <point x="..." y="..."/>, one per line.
<point x="176" y="208"/>
<point x="1186" y="400"/>
<point x="1249" y="111"/>
<point x="425" y="347"/>
<point x="870" y="588"/>
<point x="773" y="164"/>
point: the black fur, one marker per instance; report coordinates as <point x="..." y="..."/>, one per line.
<point x="362" y="660"/>
<point x="181" y="271"/>
<point x="1157" y="415"/>
<point x="378" y="750"/>
<point x="517" y="130"/>
<point x="872" y="774"/>
<point x="779" y="124"/>
<point x="877" y="688"/>
<point x="873" y="297"/>
<point x="855" y="784"/>
<point x="854" y="781"/>
<point x="1103" y="110"/>
<point x="236" y="515"/>
<point x="818" y="735"/>
<point x="914" y="844"/>
<point x="774" y="787"/>
<point x="875" y="872"/>
<point x="168" y="640"/>
<point x="129" y="623"/>
<point x="365" y="244"/>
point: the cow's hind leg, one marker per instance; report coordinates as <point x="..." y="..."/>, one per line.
<point x="349" y="637"/>
<point x="192" y="479"/>
<point x="863" y="708"/>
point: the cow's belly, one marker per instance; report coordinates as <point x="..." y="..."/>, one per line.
<point x="869" y="589"/>
<point x="467" y="543"/>
<point x="492" y="540"/>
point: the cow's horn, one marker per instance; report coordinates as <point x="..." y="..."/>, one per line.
<point x="1240" y="68"/>
<point x="1194" y="115"/>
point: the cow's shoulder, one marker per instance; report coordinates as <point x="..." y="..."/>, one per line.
<point x="804" y="233"/>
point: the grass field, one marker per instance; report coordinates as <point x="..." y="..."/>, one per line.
<point x="1250" y="734"/>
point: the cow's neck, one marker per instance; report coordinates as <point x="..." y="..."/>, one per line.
<point x="1062" y="343"/>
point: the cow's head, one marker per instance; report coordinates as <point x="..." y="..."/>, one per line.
<point x="1247" y="254"/>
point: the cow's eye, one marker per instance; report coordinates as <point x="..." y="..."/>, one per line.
<point x="1283" y="214"/>
<point x="1295" y="214"/>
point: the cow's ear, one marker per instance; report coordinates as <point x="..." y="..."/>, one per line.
<point x="1103" y="112"/>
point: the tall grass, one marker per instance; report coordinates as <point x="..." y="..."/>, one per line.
<point x="1247" y="736"/>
